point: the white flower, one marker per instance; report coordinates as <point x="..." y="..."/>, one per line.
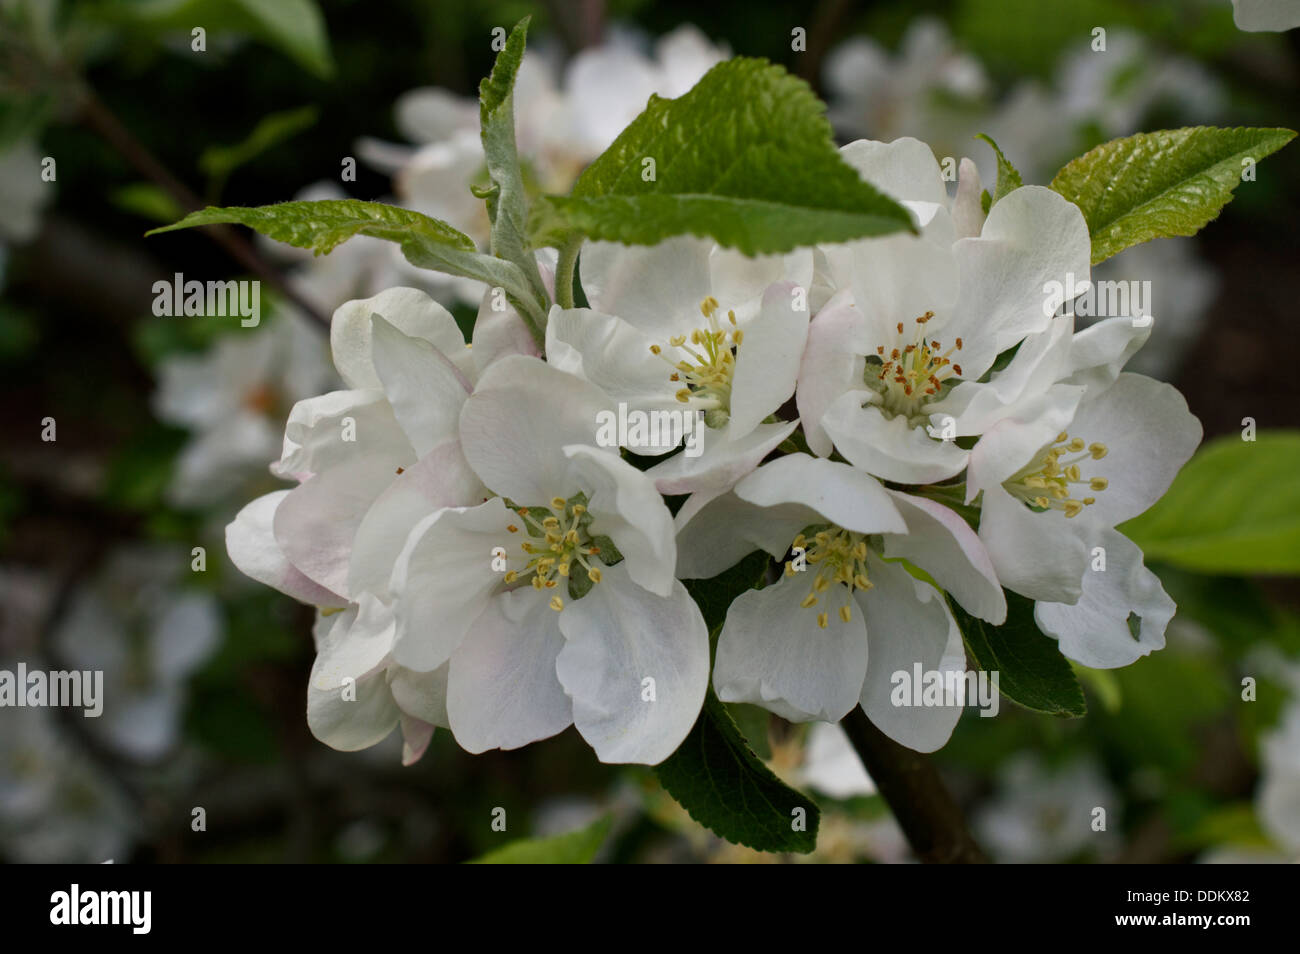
<point x="685" y="326"/>
<point x="528" y="652"/>
<point x="890" y="375"/>
<point x="818" y="642"/>
<point x="232" y="397"/>
<point x="1258" y="16"/>
<point x="1042" y="815"/>
<point x="1278" y="798"/>
<point x="1056" y="483"/>
<point x="370" y="462"/>
<point x="928" y="90"/>
<point x="23" y="192"/>
<point x="147" y="634"/>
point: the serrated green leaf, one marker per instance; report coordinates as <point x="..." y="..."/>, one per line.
<point x="714" y="595"/>
<point x="506" y="199"/>
<point x="1233" y="509"/>
<point x="297" y="28"/>
<point x="147" y="201"/>
<point x="745" y="157"/>
<point x="1160" y="184"/>
<point x="1031" y="670"/>
<point x="218" y="162"/>
<point x="323" y="225"/>
<point x="724" y="786"/>
<point x="572" y="848"/>
<point x="1008" y="175"/>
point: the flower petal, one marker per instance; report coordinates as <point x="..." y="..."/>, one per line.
<point x="619" y="636"/>
<point x="908" y="623"/>
<point x="773" y="653"/>
<point x="767" y="360"/>
<point x="889" y="447"/>
<point x="832" y="364"/>
<point x="502" y="691"/>
<point x="844" y="496"/>
<point x="250" y="541"/>
<point x="425" y="389"/>
<point x="723" y="460"/>
<point x="353" y="716"/>
<point x="655" y="288"/>
<point x="1095" y="631"/>
<point x="412" y="312"/>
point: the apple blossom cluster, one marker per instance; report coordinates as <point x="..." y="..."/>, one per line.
<point x="896" y="422"/>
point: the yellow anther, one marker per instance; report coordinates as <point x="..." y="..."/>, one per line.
<point x="683" y="395"/>
<point x="822" y="619"/>
<point x="845" y="613"/>
<point x="511" y="576"/>
<point x="655" y="349"/>
<point x="1072" y="508"/>
<point x="594" y="575"/>
<point x="512" y="528"/>
<point x="562" y="569"/>
<point x="1061" y="438"/>
<point x="557" y="503"/>
<point x="809" y="600"/>
<point x="1098" y="451"/>
<point x="738" y="335"/>
<point x="557" y="604"/>
<point x="1098" y="483"/>
<point x="1076" y="445"/>
<point x="579" y="510"/>
<point x="1072" y="473"/>
<point x="708" y="306"/>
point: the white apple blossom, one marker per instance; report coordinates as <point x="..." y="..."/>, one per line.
<point x="890" y="377"/>
<point x="232" y="397"/>
<point x="820" y="641"/>
<point x="686" y="326"/>
<point x="1055" y="482"/>
<point x="23" y="192"/>
<point x="528" y="651"/>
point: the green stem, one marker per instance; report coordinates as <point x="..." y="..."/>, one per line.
<point x="565" y="270"/>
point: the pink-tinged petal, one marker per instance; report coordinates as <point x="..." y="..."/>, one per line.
<point x="421" y="695"/>
<point x="1095" y="631"/>
<point x="354" y="715"/>
<point x="416" y="736"/>
<point x="441" y="478"/>
<point x="722" y="461"/>
<point x="943" y="545"/>
<point x="316" y="523"/>
<point x="515" y="424"/>
<point x="444" y="576"/>
<point x="250" y="541"/>
<point x="832" y="365"/>
<point x="773" y="653"/>
<point x="502" y="690"/>
<point x="908" y="623"/>
<point x="636" y="666"/>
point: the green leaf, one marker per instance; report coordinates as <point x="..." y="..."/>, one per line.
<point x="506" y="199"/>
<point x="1031" y="670"/>
<point x="1160" y="184"/>
<point x="147" y="201"/>
<point x="294" y="27"/>
<point x="323" y="225"/>
<point x="218" y="162"/>
<point x="746" y="158"/>
<point x="1234" y="509"/>
<point x="1008" y="176"/>
<point x="572" y="848"/>
<point x="722" y="785"/>
<point x="714" y="595"/>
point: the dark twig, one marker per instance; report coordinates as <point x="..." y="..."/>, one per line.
<point x="101" y="119"/>
<point x="916" y="794"/>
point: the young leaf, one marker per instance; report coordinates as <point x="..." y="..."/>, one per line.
<point x="426" y="242"/>
<point x="746" y="157"/>
<point x="571" y="848"/>
<point x="1161" y="184"/>
<point x="722" y="785"/>
<point x="714" y="595"/>
<point x="1008" y="176"/>
<point x="1031" y="670"/>
<point x="507" y="203"/>
<point x="1234" y="509"/>
<point x="218" y="162"/>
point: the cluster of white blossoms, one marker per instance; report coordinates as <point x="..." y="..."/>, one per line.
<point x="895" y="422"/>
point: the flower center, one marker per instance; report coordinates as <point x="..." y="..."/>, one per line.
<point x="840" y="556"/>
<point x="560" y="538"/>
<point x="1047" y="483"/>
<point x="909" y="375"/>
<point x="708" y="364"/>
